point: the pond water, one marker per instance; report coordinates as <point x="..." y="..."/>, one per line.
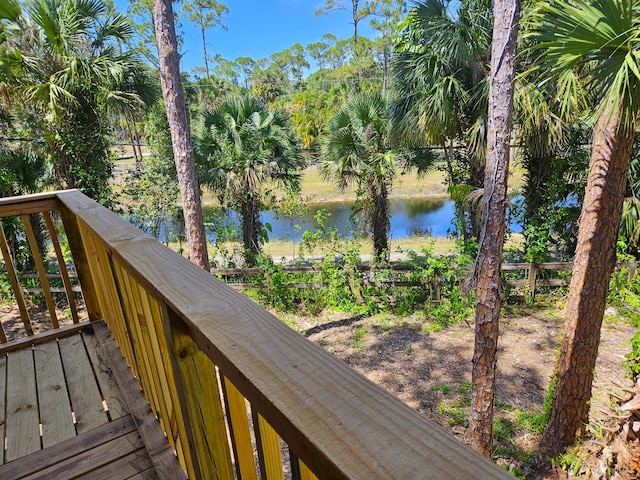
<point x="409" y="217"/>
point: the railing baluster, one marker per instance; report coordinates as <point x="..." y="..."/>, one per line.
<point x="53" y="234"/>
<point x="239" y="429"/>
<point x="35" y="253"/>
<point x="122" y="330"/>
<point x="158" y="371"/>
<point x="15" y="286"/>
<point x="198" y="375"/>
<point x="268" y="444"/>
<point x="81" y="262"/>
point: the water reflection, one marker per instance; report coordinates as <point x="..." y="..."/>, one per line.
<point x="409" y="217"/>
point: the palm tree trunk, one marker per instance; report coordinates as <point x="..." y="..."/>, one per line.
<point x="179" y="127"/>
<point x="488" y="265"/>
<point x="380" y="221"/>
<point x="251" y="226"/>
<point x="593" y="265"/>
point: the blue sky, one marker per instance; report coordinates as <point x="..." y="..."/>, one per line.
<point x="258" y="29"/>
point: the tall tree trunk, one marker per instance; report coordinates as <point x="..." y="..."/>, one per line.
<point x="179" y="127"/>
<point x="503" y="52"/>
<point x="204" y="50"/>
<point x="251" y="226"/>
<point x="592" y="268"/>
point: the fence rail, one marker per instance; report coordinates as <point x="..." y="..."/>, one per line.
<point x="534" y="278"/>
<point x="229" y="383"/>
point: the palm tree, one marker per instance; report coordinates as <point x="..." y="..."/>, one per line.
<point x="359" y="149"/>
<point x="594" y="41"/>
<point x="630" y="226"/>
<point x="440" y="70"/>
<point x="244" y="145"/>
<point x="63" y="60"/>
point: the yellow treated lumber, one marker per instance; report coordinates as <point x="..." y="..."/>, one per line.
<point x="83" y="389"/>
<point x="172" y="390"/>
<point x="339" y="423"/>
<point x="55" y="410"/>
<point x="15" y="287"/>
<point x="44" y="282"/>
<point x="269" y="449"/>
<point x="43" y="337"/>
<point x="3" y="383"/>
<point x="53" y="234"/>
<point x="81" y="262"/>
<point x="27" y="204"/>
<point x="121" y="329"/>
<point x="239" y="425"/>
<point x="141" y="351"/>
<point x="161" y="454"/>
<point x="306" y="473"/>
<point x="22" y="427"/>
<point x="199" y="382"/>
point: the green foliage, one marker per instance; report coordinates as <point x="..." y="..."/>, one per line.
<point x="64" y="71"/>
<point x="243" y="147"/>
<point x="360" y="150"/>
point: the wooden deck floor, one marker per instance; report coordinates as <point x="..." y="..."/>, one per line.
<point x="63" y="416"/>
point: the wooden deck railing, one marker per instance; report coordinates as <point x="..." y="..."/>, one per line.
<point x="237" y="392"/>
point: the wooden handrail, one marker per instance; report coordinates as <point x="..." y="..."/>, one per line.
<point x="338" y="423"/>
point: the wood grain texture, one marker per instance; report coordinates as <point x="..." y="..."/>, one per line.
<point x="83" y="389"/>
<point x="3" y="383"/>
<point x="268" y="444"/>
<point x="200" y="388"/>
<point x="42" y="274"/>
<point x="240" y="433"/>
<point x="164" y="460"/>
<point x="55" y="409"/>
<point x="88" y="460"/>
<point x="45" y="458"/>
<point x="108" y="386"/>
<point x="22" y="429"/>
<point x="338" y="422"/>
<point x="68" y="288"/>
<point x="15" y="287"/>
<point x="41" y="337"/>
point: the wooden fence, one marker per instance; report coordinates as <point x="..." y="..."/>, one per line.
<point x="533" y="276"/>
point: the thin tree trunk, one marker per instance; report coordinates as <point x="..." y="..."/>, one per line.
<point x="204" y="50"/>
<point x="592" y="268"/>
<point x="179" y="128"/>
<point x="494" y="204"/>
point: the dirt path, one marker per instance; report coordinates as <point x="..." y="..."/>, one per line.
<point x="432" y="372"/>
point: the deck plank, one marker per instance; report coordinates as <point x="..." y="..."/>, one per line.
<point x="163" y="457"/>
<point x="110" y="390"/>
<point x="123" y="468"/>
<point x="55" y="409"/>
<point x="90" y="459"/>
<point x="83" y="389"/>
<point x="42" y="459"/>
<point x="22" y="429"/>
<point x="3" y="380"/>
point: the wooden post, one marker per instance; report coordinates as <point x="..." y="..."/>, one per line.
<point x="633" y="269"/>
<point x="532" y="280"/>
